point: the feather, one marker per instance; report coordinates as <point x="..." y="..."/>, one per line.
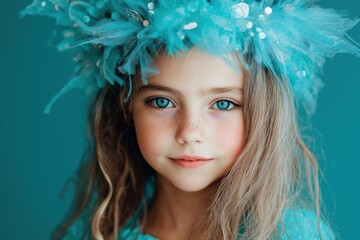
<point x="119" y="35"/>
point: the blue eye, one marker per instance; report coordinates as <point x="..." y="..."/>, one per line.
<point x="225" y="105"/>
<point x="160" y="102"/>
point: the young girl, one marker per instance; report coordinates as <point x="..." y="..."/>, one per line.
<point x="193" y="119"/>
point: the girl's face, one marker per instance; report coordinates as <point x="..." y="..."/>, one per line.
<point x="189" y="120"/>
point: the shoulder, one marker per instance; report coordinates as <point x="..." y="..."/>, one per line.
<point x="301" y="224"/>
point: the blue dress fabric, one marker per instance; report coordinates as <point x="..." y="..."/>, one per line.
<point x="300" y="224"/>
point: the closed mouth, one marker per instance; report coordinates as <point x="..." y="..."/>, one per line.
<point x="191" y="158"/>
<point x="190" y="162"/>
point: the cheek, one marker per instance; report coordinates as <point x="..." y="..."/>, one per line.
<point x="230" y="136"/>
<point x="151" y="136"/>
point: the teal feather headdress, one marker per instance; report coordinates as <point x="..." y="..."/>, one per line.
<point x="110" y="38"/>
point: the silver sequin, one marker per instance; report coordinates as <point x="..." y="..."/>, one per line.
<point x="190" y="26"/>
<point x="146" y="23"/>
<point x="43" y="4"/>
<point x="181" y="35"/>
<point x="241" y="10"/>
<point x="268" y="10"/>
<point x="151" y="6"/>
<point x="249" y="25"/>
<point x="301" y="74"/>
<point x="262" y="35"/>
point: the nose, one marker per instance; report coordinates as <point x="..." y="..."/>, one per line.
<point x="189" y="128"/>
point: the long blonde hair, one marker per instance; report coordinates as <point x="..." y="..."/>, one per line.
<point x="275" y="170"/>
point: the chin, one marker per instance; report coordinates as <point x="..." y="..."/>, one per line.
<point x="191" y="184"/>
<point x="192" y="188"/>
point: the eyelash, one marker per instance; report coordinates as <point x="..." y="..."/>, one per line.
<point x="151" y="103"/>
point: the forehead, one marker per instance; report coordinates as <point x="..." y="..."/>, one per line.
<point x="197" y="70"/>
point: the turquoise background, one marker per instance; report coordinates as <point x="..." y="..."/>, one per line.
<point x="39" y="152"/>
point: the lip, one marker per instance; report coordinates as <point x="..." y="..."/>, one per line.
<point x="190" y="161"/>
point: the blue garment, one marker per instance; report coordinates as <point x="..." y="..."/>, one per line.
<point x="300" y="224"/>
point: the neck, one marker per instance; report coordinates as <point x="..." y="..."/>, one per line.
<point x="177" y="210"/>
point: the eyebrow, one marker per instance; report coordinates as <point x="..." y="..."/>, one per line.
<point x="152" y="86"/>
